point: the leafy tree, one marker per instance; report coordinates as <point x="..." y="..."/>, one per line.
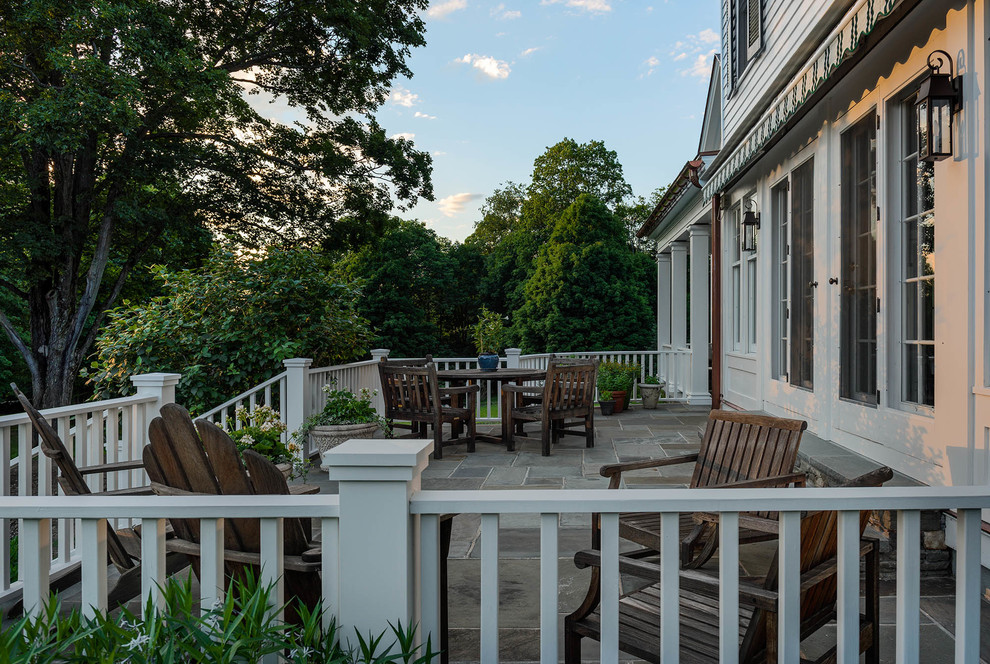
<point x="124" y="120"/>
<point x="413" y="291"/>
<point x="585" y="291"/>
<point x="228" y="325"/>
<point x="635" y="214"/>
<point x="501" y="213"/>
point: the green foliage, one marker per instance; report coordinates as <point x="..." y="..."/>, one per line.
<point x="604" y="395"/>
<point x="500" y="214"/>
<point x="261" y="430"/>
<point x="344" y="407"/>
<point x="125" y="121"/>
<point x="584" y="293"/>
<point x="240" y="630"/>
<point x="652" y="380"/>
<point x="418" y="290"/>
<point x="489" y="332"/>
<point x="229" y="325"/>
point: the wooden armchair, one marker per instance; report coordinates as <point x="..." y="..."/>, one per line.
<point x="640" y="610"/>
<point x="123" y="544"/>
<point x="567" y="394"/>
<point x="739" y="450"/>
<point x="413" y="394"/>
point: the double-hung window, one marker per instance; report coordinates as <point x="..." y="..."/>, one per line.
<point x="742" y="285"/>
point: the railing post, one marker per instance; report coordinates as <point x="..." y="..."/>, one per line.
<point x="376" y="532"/>
<point x="158" y="385"/>
<point x="296" y="392"/>
<point x="378" y="353"/>
<point x="512" y="358"/>
<point x="378" y="400"/>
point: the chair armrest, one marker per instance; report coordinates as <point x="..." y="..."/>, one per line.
<point x="763" y="482"/>
<point x="111" y="467"/>
<point x="303" y="489"/>
<point x="616" y="469"/>
<point x="460" y="389"/>
<point x="745" y="521"/>
<point x="294" y="563"/>
<point x="523" y="389"/>
<point x="132" y="491"/>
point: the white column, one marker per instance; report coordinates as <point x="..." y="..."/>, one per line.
<point x="376" y="532"/>
<point x="678" y="294"/>
<point x="296" y="392"/>
<point x="158" y="385"/>
<point x="663" y="301"/>
<point x="698" y="393"/>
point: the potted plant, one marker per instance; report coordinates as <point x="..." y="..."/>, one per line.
<point x="489" y="339"/>
<point x="606" y="402"/>
<point x="261" y="430"/>
<point x="651" y="389"/>
<point x="344" y="416"/>
<point x="610" y="379"/>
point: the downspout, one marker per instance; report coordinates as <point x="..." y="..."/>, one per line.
<point x="716" y="302"/>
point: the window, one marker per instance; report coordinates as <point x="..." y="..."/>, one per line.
<point x="802" y="306"/>
<point x="735" y="270"/>
<point x="916" y="245"/>
<point x="781" y="299"/>
<point x="744" y="37"/>
<point x="858" y="302"/>
<point x="751" y="298"/>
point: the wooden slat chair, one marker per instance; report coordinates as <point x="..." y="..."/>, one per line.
<point x="640" y="610"/>
<point x="738" y="450"/>
<point x="201" y="459"/>
<point x="567" y="394"/>
<point x="418" y="428"/>
<point x="124" y="544"/>
<point x="413" y="394"/>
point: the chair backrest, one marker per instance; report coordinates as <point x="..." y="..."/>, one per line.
<point x="569" y="385"/>
<point x="407" y="361"/>
<point x="819" y="543"/>
<point x="409" y="392"/>
<point x="741" y="446"/>
<point x="69" y="477"/>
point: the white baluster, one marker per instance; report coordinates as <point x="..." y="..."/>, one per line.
<point x="548" y="587"/>
<point x="211" y="581"/>
<point x="152" y="564"/>
<point x="847" y="604"/>
<point x="728" y="592"/>
<point x="610" y="589"/>
<point x="968" y="585"/>
<point x="429" y="543"/>
<point x="489" y="587"/>
<point x="670" y="559"/>
<point x="36" y="535"/>
<point x="94" y="566"/>
<point x="789" y="587"/>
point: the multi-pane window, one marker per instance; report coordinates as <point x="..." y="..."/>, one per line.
<point x="735" y="277"/>
<point x="781" y="298"/>
<point x="917" y="266"/>
<point x="858" y="302"/>
<point x="751" y="300"/>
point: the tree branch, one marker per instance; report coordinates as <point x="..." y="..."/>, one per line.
<point x="21" y="347"/>
<point x="13" y="289"/>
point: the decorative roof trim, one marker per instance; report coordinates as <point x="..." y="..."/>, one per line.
<point x="844" y="41"/>
<point x="687" y="176"/>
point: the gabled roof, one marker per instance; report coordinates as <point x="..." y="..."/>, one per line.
<point x="686" y="178"/>
<point x="711" y="126"/>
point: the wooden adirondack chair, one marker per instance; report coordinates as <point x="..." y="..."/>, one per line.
<point x="412" y="394"/>
<point x="567" y="394"/>
<point x="124" y="544"/>
<point x="739" y="450"/>
<point x="639" y="610"/>
<point x="201" y="459"/>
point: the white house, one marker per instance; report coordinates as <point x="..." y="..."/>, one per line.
<point x="835" y="314"/>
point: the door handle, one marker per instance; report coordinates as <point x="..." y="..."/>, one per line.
<point x="833" y="280"/>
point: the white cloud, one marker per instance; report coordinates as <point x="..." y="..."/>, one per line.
<point x="405" y="134"/>
<point x="443" y="9"/>
<point x="680" y="56"/>
<point x="487" y="65"/>
<point x="708" y="36"/>
<point x="454" y="204"/>
<point x="701" y="66"/>
<point x="438" y="153"/>
<point x="530" y="51"/>
<point x="594" y="6"/>
<point x="402" y="97"/>
<point x="501" y="13"/>
<point x="425" y="116"/>
<point x="651" y="63"/>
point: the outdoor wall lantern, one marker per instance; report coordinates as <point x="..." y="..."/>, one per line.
<point x="750" y="224"/>
<point x="938" y="100"/>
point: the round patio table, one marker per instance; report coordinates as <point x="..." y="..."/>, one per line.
<point x="517" y="376"/>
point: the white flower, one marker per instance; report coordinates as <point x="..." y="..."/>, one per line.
<point x="267" y="426"/>
<point x="293" y="448"/>
<point x="247" y="439"/>
<point x="138" y="641"/>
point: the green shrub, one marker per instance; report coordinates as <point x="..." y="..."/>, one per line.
<point x="241" y="629"/>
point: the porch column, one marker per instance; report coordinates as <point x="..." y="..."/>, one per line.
<point x="678" y="294"/>
<point x="698" y="392"/>
<point x="663" y="301"/>
<point x="376" y="531"/>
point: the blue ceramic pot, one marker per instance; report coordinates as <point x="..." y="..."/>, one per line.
<point x="488" y="362"/>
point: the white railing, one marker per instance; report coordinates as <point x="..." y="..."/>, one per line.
<point x="352" y="377"/>
<point x="95" y="433"/>
<point x="368" y="577"/>
<point x="271" y="393"/>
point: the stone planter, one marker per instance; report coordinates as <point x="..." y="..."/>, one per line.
<point x="329" y="437"/>
<point x="650" y="392"/>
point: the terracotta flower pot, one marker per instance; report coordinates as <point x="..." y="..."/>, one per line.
<point x="329" y="437"/>
<point x="620" y="400"/>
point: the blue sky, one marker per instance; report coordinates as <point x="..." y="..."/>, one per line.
<point x="499" y="82"/>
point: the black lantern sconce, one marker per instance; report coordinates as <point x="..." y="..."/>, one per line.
<point x="750" y="224"/>
<point x="938" y="100"/>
